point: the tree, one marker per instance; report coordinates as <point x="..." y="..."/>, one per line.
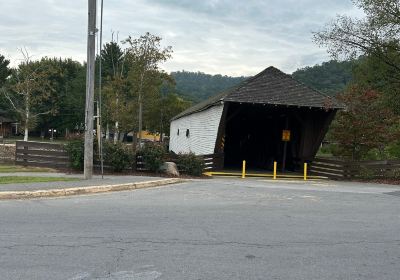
<point x="365" y="124"/>
<point x="119" y="105"/>
<point x="166" y="105"/>
<point x="113" y="61"/>
<point x="377" y="34"/>
<point x="144" y="55"/>
<point x="116" y="90"/>
<point x="29" y="88"/>
<point x="5" y="71"/>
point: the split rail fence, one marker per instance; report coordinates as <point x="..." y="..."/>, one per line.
<point x="41" y="154"/>
<point x="342" y="170"/>
<point x="54" y="155"/>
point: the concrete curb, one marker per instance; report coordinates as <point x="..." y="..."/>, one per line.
<point x="87" y="190"/>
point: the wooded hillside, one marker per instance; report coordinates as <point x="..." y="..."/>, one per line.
<point x="329" y="77"/>
<point x="198" y="86"/>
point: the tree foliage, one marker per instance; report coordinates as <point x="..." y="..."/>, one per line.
<point x="377" y="34"/>
<point x="29" y="89"/>
<point x="5" y="71"/>
<point x="330" y="77"/>
<point x="144" y="55"/>
<point x="365" y="124"/>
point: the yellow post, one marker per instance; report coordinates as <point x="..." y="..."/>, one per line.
<point x="305" y="171"/>
<point x="244" y="170"/>
<point x="274" y="170"/>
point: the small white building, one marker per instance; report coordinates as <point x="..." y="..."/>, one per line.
<point x="247" y="121"/>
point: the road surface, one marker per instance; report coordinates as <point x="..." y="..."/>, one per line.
<point x="207" y="229"/>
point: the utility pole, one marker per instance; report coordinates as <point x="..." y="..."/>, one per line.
<point x="91" y="48"/>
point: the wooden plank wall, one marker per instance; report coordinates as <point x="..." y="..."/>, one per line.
<point x="340" y="169"/>
<point x="41" y="154"/>
<point x="213" y="161"/>
<point x="334" y="169"/>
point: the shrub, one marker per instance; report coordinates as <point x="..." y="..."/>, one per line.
<point x="75" y="149"/>
<point x="118" y="156"/>
<point x="153" y="156"/>
<point x="190" y="164"/>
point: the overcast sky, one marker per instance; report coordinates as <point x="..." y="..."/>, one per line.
<point x="232" y="37"/>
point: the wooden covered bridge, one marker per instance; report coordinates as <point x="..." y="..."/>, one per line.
<point x="268" y="117"/>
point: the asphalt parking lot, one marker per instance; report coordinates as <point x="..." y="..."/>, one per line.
<point x="207" y="229"/>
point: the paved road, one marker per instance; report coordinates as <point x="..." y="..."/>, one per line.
<point x="208" y="229"/>
<point x="79" y="182"/>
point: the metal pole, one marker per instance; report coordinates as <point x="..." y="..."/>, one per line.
<point x="100" y="102"/>
<point x="244" y="169"/>
<point x="285" y="147"/>
<point x="91" y="49"/>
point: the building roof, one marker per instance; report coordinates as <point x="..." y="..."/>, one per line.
<point x="5" y="120"/>
<point x="270" y="86"/>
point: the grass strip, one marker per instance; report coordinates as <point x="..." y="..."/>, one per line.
<point x="33" y="179"/>
<point x="18" y="168"/>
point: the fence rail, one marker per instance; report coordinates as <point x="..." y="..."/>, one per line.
<point x="41" y="154"/>
<point x="341" y="169"/>
<point x="213" y="161"/>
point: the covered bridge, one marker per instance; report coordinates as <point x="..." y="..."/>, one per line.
<point x="268" y="117"/>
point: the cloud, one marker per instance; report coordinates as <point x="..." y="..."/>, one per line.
<point x="213" y="36"/>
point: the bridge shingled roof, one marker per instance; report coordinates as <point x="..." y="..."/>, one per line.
<point x="273" y="87"/>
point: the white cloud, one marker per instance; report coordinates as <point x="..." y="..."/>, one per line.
<point x="213" y="36"/>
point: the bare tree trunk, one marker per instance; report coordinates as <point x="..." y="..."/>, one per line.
<point x="26" y="134"/>
<point x="116" y="133"/>
<point x="107" y="132"/>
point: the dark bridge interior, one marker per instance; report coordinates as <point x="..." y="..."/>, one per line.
<point x="253" y="132"/>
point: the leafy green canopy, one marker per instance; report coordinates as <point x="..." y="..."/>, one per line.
<point x="5" y="71"/>
<point x="375" y="37"/>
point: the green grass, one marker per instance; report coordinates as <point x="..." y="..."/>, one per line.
<point x="9" y="168"/>
<point x="33" y="179"/>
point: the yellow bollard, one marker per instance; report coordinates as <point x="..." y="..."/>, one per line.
<point x="275" y="164"/>
<point x="305" y="171"/>
<point x="244" y="170"/>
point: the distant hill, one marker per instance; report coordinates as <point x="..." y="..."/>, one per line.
<point x="198" y="86"/>
<point x="329" y="77"/>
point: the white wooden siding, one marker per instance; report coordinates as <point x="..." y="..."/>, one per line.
<point x="203" y="129"/>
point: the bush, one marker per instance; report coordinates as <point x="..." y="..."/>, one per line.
<point x="153" y="156"/>
<point x="118" y="156"/>
<point x="75" y="149"/>
<point x="190" y="164"/>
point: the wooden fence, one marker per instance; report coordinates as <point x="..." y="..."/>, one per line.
<point x="341" y="169"/>
<point x="41" y="154"/>
<point x="213" y="162"/>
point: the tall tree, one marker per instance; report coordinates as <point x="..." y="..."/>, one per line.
<point x="364" y="125"/>
<point x="144" y="55"/>
<point x="29" y="88"/>
<point x="113" y="62"/>
<point x="377" y="34"/>
<point x="114" y="71"/>
<point x="5" y="71"/>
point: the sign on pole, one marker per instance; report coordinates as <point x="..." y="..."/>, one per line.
<point x="286" y="135"/>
